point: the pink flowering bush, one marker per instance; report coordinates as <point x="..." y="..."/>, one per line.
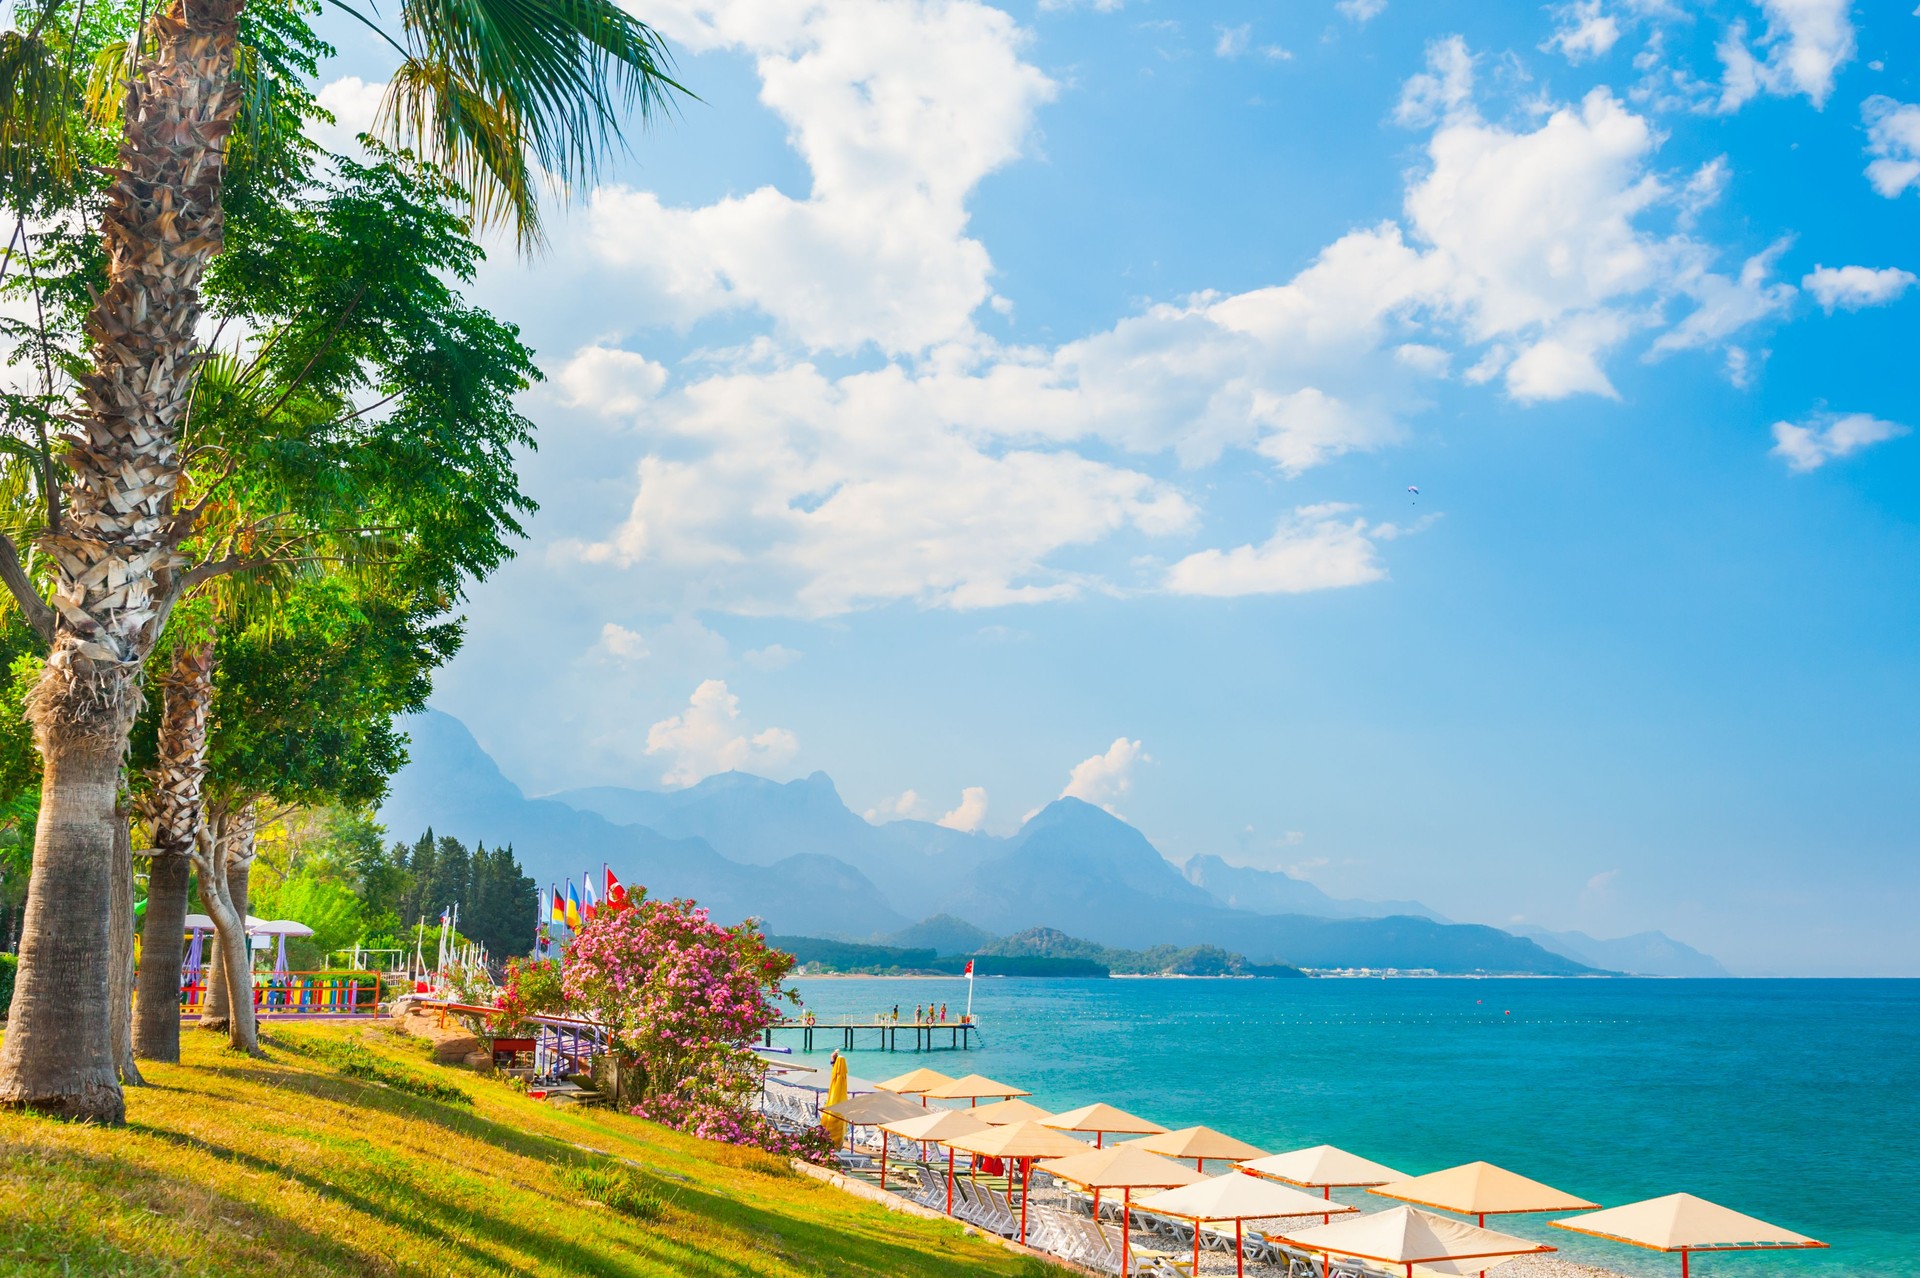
<point x="684" y="999"/>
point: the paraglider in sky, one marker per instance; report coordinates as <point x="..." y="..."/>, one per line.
<point x="1415" y="490"/>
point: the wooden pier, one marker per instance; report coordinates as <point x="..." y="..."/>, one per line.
<point x="892" y="1036"/>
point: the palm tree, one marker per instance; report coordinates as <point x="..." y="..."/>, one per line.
<point x="484" y="84"/>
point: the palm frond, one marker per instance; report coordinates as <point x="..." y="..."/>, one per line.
<point x="554" y="79"/>
<point x="34" y="138"/>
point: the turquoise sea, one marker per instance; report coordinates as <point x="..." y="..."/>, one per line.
<point x="1794" y="1101"/>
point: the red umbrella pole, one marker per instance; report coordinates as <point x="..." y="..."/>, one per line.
<point x="1683" y="1262"/>
<point x="1126" y="1228"/>
<point x="949" y="1180"/>
<point x="883" y="1160"/>
<point x="1326" y="1192"/>
<point x="1196" y="1247"/>
<point x="1239" y="1250"/>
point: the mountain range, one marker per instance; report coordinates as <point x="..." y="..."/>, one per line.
<point x="793" y="855"/>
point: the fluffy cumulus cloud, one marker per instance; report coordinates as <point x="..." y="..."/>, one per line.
<point x="1828" y="437"/>
<point x="1854" y="288"/>
<point x="1893" y="140"/>
<point x="970" y="813"/>
<point x="1316" y="548"/>
<point x="1106" y="778"/>
<point x="1804" y="44"/>
<point x="899" y="111"/>
<point x="1361" y="11"/>
<point x="943" y="467"/>
<point x="711" y="736"/>
<point x="623" y="644"/>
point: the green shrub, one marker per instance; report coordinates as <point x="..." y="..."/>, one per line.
<point x="614" y="1187"/>
<point x="7" y="963"/>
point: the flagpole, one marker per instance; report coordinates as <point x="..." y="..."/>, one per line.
<point x="969" y="990"/>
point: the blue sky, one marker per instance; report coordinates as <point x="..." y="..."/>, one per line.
<point x="980" y="403"/>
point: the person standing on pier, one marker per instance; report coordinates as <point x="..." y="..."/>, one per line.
<point x="943" y="1014"/>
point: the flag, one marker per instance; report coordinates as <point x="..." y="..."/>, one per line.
<point x="559" y="907"/>
<point x="573" y="907"/>
<point x="969" y="969"/>
<point x="616" y="895"/>
<point x="590" y="904"/>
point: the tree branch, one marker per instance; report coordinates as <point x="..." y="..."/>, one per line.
<point x="32" y="606"/>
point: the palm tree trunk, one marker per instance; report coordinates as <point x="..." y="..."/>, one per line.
<point x="57" y="1056"/>
<point x="173" y="807"/>
<point x="120" y="954"/>
<point x="217" y="1011"/>
<point x="115" y="548"/>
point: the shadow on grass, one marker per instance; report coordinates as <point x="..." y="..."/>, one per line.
<point x="172" y="1198"/>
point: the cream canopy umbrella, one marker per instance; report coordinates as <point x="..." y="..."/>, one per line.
<point x="1001" y="1113"/>
<point x="1234" y="1196"/>
<point x="870" y="1109"/>
<point x="1686" y="1224"/>
<point x="972" y="1088"/>
<point x="1323" y="1167"/>
<point x="1482" y="1190"/>
<point x="915" y="1082"/>
<point x="1025" y="1141"/>
<point x="937" y="1127"/>
<point x="1409" y="1236"/>
<point x="1101" y="1119"/>
<point x="1122" y="1168"/>
<point x="1199" y="1144"/>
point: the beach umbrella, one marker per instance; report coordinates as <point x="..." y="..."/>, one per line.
<point x="837" y="1092"/>
<point x="1234" y="1197"/>
<point x="1686" y="1224"/>
<point x="1322" y="1167"/>
<point x="915" y="1082"/>
<point x="972" y="1088"/>
<point x="1124" y="1169"/>
<point x="1199" y="1144"/>
<point x="1024" y="1141"/>
<point x="1481" y="1190"/>
<point x="1001" y="1113"/>
<point x="938" y="1128"/>
<point x="1101" y="1119"/>
<point x="1409" y="1236"/>
<point x="872" y="1110"/>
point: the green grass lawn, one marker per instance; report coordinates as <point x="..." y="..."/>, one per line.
<point x="288" y="1166"/>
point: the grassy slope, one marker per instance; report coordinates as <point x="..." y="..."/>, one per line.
<point x="283" y="1167"/>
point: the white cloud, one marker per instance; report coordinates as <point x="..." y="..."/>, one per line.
<point x="625" y="644"/>
<point x="610" y="381"/>
<point x="899" y="111"/>
<point x="1728" y="305"/>
<point x="354" y="103"/>
<point x="1098" y="6"/>
<point x="905" y="806"/>
<point x="1106" y="778"/>
<point x="1806" y="43"/>
<point x="971" y="812"/>
<point x="1444" y="89"/>
<point x="1893" y="139"/>
<point x="1233" y="41"/>
<point x="1361" y="11"/>
<point x="1315" y="548"/>
<point x="1585" y="31"/>
<point x="1828" y="436"/>
<point x="972" y="473"/>
<point x="1856" y="287"/>
<point x="774" y="656"/>
<point x="710" y="736"/>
